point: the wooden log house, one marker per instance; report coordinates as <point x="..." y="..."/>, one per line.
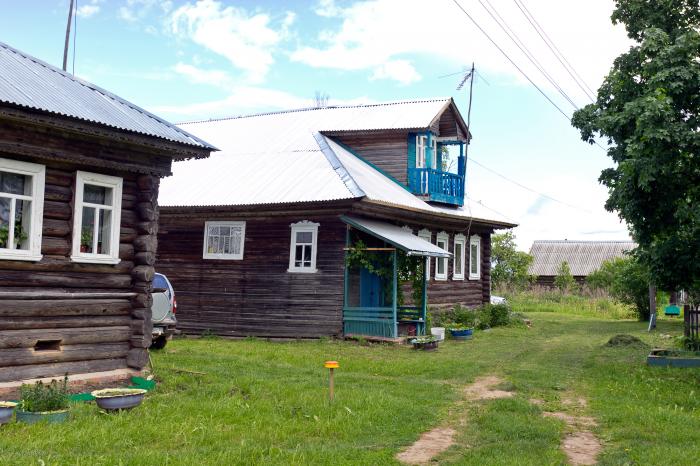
<point x="79" y="175"/>
<point x="257" y="244"/>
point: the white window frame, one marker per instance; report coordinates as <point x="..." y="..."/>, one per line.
<point x="462" y="241"/>
<point x="303" y="226"/>
<point x="38" y="174"/>
<point x="421" y="144"/>
<point x="475" y="240"/>
<point x="223" y="223"/>
<point x="428" y="236"/>
<point x="444" y="238"/>
<point x="115" y="184"/>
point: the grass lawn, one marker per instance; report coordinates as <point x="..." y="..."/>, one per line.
<point x="265" y="403"/>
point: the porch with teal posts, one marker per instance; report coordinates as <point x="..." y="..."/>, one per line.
<point x="371" y="300"/>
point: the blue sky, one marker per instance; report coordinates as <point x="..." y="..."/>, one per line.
<point x="202" y="59"/>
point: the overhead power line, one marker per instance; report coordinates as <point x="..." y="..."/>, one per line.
<point x="539" y="89"/>
<point x="510" y="59"/>
<point x="555" y="50"/>
<point x="510" y="180"/>
<point x="523" y="48"/>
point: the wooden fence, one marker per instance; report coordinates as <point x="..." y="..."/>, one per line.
<point x="691" y="318"/>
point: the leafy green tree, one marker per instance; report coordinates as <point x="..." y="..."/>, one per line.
<point x="627" y="280"/>
<point x="648" y="108"/>
<point x="564" y="280"/>
<point x="509" y="267"/>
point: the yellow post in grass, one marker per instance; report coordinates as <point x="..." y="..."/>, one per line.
<point x="331" y="365"/>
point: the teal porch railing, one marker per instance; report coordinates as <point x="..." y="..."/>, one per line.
<point x="370" y="321"/>
<point x="379" y="321"/>
<point x="438" y="185"/>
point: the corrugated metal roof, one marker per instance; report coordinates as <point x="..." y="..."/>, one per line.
<point x="29" y="82"/>
<point x="405" y="114"/>
<point x="397" y="236"/>
<point x="583" y="257"/>
<point x="281" y="158"/>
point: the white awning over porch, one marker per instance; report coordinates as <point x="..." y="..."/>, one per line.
<point x="398" y="237"/>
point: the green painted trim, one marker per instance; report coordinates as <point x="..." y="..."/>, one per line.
<point x="395" y="294"/>
<point x="424" y="297"/>
<point x="349" y="149"/>
<point x="346" y="272"/>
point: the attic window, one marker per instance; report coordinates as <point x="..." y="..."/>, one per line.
<point x="48" y="345"/>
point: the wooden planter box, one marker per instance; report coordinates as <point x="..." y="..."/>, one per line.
<point x="673" y="358"/>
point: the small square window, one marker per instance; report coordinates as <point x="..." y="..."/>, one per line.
<point x="302" y="251"/>
<point x="224" y="240"/>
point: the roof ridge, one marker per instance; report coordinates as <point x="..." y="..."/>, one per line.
<point x="564" y="241"/>
<point x="338" y="166"/>
<point x="309" y="109"/>
<point x="102" y="91"/>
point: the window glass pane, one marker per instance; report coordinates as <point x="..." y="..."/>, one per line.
<point x="304" y="237"/>
<point x="474" y="259"/>
<point x="226" y="245"/>
<point x="458" y="258"/>
<point x="307" y="254"/>
<point x="14" y="183"/>
<point x="213" y="230"/>
<point x="97" y="194"/>
<point x="298" y="254"/>
<point x="23" y="217"/>
<point x="159" y="282"/>
<point x="104" y="232"/>
<point x="4" y="221"/>
<point x="441" y="266"/>
<point x="236" y="240"/>
<point x="87" y="229"/>
<point x="224" y="231"/>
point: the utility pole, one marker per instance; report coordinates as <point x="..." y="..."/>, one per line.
<point x="469" y="126"/>
<point x="65" y="47"/>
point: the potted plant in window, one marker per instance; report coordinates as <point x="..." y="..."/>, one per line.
<point x="425" y="343"/>
<point x="85" y="240"/>
<point x="20" y="235"/>
<point x="111" y="399"/>
<point x="42" y="402"/>
<point x="4" y="235"/>
<point x="461" y="332"/>
<point x="7" y="408"/>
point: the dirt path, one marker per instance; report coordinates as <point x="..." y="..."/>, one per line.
<point x="439" y="439"/>
<point x="580" y="445"/>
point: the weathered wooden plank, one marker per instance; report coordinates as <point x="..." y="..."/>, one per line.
<point x="64" y="279"/>
<point x="23" y="356"/>
<point x="68" y="336"/>
<point x="58" y="370"/>
<point x="63" y="307"/>
<point x="43" y="321"/>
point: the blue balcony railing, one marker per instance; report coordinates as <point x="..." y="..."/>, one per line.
<point x="437" y="185"/>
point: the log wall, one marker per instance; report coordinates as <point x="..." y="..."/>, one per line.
<point x="387" y="150"/>
<point x="58" y="316"/>
<point x="255" y="295"/>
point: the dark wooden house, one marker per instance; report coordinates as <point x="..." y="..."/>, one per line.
<point x="583" y="257"/>
<point x="79" y="175"/>
<point x="256" y="244"/>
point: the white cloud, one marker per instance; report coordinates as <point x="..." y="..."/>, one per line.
<point x="137" y="10"/>
<point x="327" y="9"/>
<point x="375" y="32"/>
<point x="398" y="70"/>
<point x="85" y="11"/>
<point x="247" y="40"/>
<point x="216" y="78"/>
